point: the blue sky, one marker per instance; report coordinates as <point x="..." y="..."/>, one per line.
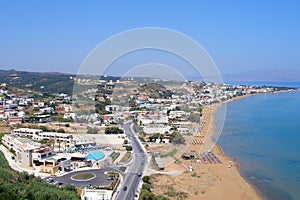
<point x="239" y="35"/>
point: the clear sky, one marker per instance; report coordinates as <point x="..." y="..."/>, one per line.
<point x="239" y="35"/>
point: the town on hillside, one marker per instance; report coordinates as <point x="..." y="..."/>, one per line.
<point x="104" y="125"/>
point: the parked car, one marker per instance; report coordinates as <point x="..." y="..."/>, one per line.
<point x="58" y="183"/>
<point x="50" y="180"/>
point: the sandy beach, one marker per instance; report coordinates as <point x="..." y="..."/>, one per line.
<point x="206" y="181"/>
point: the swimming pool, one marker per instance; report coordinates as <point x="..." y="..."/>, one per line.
<point x="95" y="155"/>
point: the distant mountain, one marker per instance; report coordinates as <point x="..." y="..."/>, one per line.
<point x="51" y="82"/>
<point x="264" y="76"/>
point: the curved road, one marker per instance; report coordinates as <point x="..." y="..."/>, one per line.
<point x="100" y="179"/>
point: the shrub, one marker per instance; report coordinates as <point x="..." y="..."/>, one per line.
<point x="61" y="130"/>
<point x="129" y="148"/>
<point x="146" y="179"/>
<point x="113" y="130"/>
<point x="92" y="130"/>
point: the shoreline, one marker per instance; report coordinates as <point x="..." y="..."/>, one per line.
<point x="217" y="148"/>
<point x="206" y="181"/>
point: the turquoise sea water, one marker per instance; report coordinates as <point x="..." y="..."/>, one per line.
<point x="263" y="133"/>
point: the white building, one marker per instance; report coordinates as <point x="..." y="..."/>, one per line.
<point x="70" y="116"/>
<point x="23" y="148"/>
<point x="112" y="108"/>
<point x="96" y="194"/>
<point x="27" y="132"/>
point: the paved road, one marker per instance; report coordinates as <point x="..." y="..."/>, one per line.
<point x="99" y="180"/>
<point x="132" y="180"/>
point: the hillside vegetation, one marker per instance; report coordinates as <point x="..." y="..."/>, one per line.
<point x="15" y="185"/>
<point x="42" y="82"/>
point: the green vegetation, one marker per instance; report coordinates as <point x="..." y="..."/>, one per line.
<point x="83" y="176"/>
<point x="16" y="185"/>
<point x="172" y="192"/>
<point x="123" y="169"/>
<point x="155" y="136"/>
<point x="154" y="164"/>
<point x="45" y="129"/>
<point x="146" y="179"/>
<point x="92" y="130"/>
<point x="61" y="130"/>
<point x="114" y="156"/>
<point x="170" y="153"/>
<point x="44" y="141"/>
<point x="100" y="107"/>
<point x="138" y="129"/>
<point x="1" y="135"/>
<point x="155" y="90"/>
<point x="113" y="130"/>
<point x="112" y="184"/>
<point x="146" y="193"/>
<point x="12" y="151"/>
<point x="194" y="117"/>
<point x="177" y="138"/>
<point x="129" y="148"/>
<point x="125" y="157"/>
<point x="60" y="119"/>
<point x="42" y="82"/>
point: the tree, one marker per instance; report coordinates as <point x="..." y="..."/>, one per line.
<point x="70" y="187"/>
<point x="177" y="138"/>
<point x="146" y="179"/>
<point x="44" y="128"/>
<point x="195" y="117"/>
<point x="92" y="130"/>
<point x="146" y="186"/>
<point x="129" y="148"/>
<point x="125" y="141"/>
<point x="61" y="130"/>
<point x="146" y="195"/>
<point x="155" y="136"/>
<point x="113" y="130"/>
<point x="19" y="185"/>
<point x="168" y="112"/>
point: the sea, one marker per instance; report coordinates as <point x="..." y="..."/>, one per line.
<point x="262" y="133"/>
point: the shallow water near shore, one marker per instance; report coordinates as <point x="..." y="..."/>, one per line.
<point x="263" y="133"/>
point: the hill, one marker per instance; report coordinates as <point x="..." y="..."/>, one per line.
<point x="51" y="82"/>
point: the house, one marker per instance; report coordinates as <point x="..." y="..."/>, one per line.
<point x="13" y="117"/>
<point x="68" y="108"/>
<point x="163" y="140"/>
<point x="47" y="110"/>
<point x="70" y="115"/>
<point x="42" y="118"/>
<point x="112" y="108"/>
